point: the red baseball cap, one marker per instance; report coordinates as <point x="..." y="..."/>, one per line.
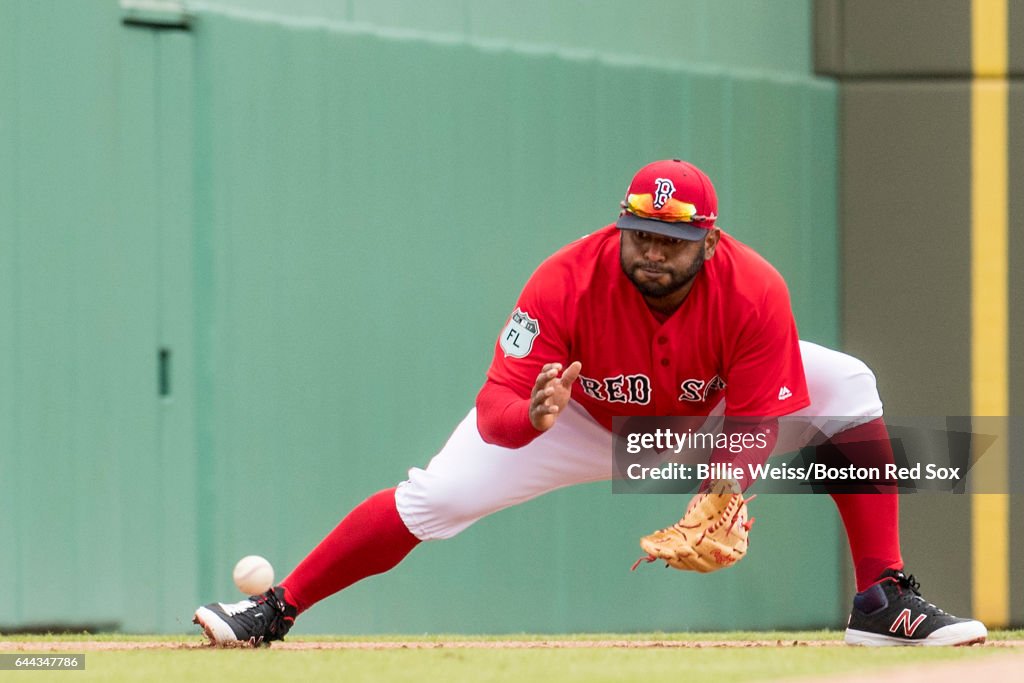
<point x="672" y="198"/>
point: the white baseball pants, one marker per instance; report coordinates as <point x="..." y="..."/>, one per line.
<point x="469" y="478"/>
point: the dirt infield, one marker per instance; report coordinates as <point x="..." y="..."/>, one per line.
<point x="195" y="644"/>
<point x="1006" y="667"/>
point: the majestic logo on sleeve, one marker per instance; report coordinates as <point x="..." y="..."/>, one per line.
<point x="518" y="336"/>
<point x="663" y="192"/>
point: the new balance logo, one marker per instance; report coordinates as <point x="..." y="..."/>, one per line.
<point x="908" y="626"/>
<point x="784" y="393"/>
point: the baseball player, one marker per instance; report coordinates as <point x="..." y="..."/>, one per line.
<point x="660" y="313"/>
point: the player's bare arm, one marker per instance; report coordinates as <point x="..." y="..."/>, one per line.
<point x="551" y="393"/>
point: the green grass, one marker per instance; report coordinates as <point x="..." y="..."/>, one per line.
<point x="557" y="666"/>
<point x="542" y="665"/>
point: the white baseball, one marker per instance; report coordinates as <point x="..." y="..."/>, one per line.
<point x="253" y="575"/>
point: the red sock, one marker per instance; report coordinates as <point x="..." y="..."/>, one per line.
<point x="369" y="540"/>
<point x="872" y="520"/>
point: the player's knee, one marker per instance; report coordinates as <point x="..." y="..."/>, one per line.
<point x="452" y="511"/>
<point x="845" y="386"/>
<point x="435" y="508"/>
<point x="862" y="379"/>
<point x="856" y="374"/>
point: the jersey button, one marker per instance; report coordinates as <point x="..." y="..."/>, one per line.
<point x="664" y="361"/>
<point x="662" y="340"/>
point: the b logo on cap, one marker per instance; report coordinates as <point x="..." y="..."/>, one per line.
<point x="664" y="192"/>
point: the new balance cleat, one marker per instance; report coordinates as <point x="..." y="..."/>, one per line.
<point x="252" y="622"/>
<point x="892" y="612"/>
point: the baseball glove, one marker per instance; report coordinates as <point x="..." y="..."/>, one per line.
<point x="713" y="533"/>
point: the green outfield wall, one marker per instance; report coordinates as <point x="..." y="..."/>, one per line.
<point x="253" y="262"/>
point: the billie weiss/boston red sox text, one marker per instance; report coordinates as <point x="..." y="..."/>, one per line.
<point x="815" y="472"/>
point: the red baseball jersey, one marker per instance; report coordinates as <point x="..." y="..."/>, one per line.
<point x="734" y="337"/>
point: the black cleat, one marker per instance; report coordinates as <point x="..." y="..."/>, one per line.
<point x="892" y="612"/>
<point x="256" y="620"/>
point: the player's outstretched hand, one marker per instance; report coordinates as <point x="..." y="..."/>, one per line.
<point x="551" y="394"/>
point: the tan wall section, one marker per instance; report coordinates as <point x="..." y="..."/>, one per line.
<point x="1016" y="284"/>
<point x="905" y="169"/>
<point x="893" y="37"/>
<point x="905" y="217"/>
<point x="901" y="38"/>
